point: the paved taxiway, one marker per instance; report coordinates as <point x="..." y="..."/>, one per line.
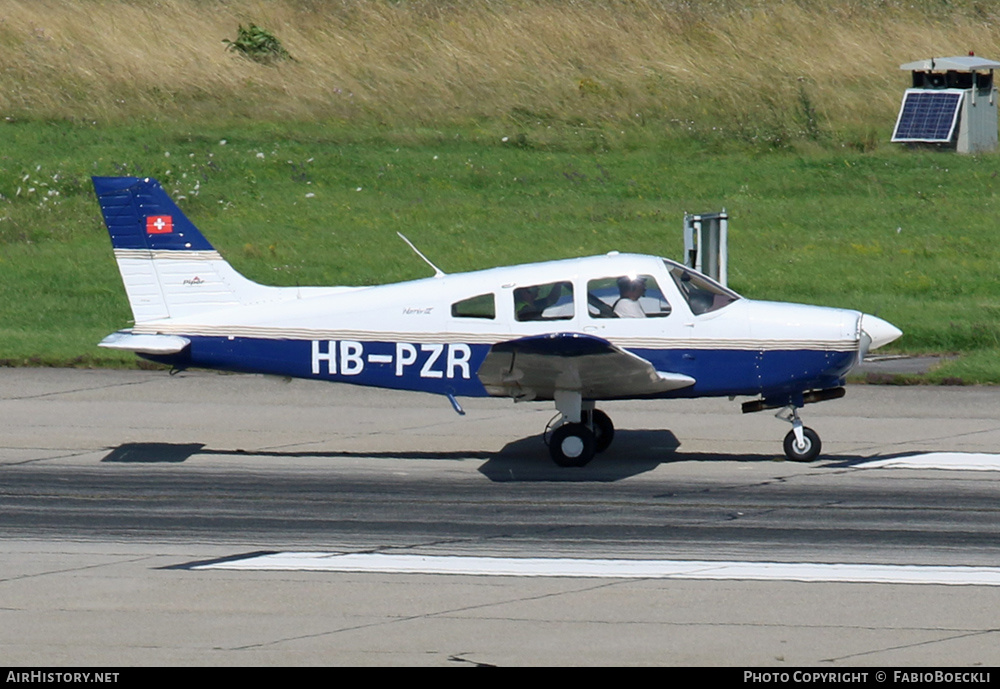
<point x="116" y="488"/>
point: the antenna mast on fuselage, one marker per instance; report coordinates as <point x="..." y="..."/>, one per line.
<point x="438" y="273"/>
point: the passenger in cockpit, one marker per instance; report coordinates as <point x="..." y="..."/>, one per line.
<point x="631" y="290"/>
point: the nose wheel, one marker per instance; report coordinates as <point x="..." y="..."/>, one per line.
<point x="802" y="444"/>
<point x="805" y="451"/>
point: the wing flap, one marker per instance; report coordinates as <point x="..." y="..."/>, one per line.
<point x="535" y="367"/>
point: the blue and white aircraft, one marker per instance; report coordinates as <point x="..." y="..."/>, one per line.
<point x="575" y="331"/>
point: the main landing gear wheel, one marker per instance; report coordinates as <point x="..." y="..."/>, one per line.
<point x="809" y="450"/>
<point x="604" y="430"/>
<point x="572" y="445"/>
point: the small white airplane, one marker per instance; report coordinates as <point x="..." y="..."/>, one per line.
<point x="575" y="331"/>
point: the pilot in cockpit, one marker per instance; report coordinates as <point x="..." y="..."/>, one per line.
<point x="529" y="305"/>
<point x="631" y="290"/>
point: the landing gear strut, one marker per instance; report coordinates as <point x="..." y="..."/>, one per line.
<point x="802" y="444"/>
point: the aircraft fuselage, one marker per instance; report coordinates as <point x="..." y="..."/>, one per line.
<point x="745" y="347"/>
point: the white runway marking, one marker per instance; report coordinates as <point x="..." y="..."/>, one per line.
<point x="626" y="569"/>
<point x="963" y="461"/>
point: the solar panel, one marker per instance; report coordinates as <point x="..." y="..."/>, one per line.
<point x="928" y="116"/>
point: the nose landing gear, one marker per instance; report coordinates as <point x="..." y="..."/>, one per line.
<point x="802" y="444"/>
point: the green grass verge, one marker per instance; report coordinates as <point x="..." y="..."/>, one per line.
<point x="906" y="235"/>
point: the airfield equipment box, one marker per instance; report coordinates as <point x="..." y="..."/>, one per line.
<point x="705" y="244"/>
<point x="952" y="103"/>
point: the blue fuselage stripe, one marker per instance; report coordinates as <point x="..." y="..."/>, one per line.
<point x="450" y="368"/>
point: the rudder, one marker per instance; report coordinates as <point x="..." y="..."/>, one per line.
<point x="140" y="215"/>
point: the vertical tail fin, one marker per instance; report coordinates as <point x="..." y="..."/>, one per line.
<point x="169" y="269"/>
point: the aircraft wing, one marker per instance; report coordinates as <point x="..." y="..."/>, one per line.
<point x="535" y="367"/>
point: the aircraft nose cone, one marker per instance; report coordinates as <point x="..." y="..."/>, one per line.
<point x="880" y="332"/>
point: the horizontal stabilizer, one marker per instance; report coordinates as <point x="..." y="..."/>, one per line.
<point x="535" y="367"/>
<point x="145" y="344"/>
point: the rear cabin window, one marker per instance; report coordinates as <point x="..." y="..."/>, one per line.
<point x="480" y="306"/>
<point x="549" y="302"/>
<point x="625" y="296"/>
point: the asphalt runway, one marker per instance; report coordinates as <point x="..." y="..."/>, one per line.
<point x="148" y="519"/>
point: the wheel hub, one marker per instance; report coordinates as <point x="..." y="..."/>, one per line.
<point x="572" y="446"/>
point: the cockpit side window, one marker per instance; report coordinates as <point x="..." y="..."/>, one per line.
<point x="703" y="295"/>
<point x="626" y="296"/>
<point x="480" y="306"/>
<point x="549" y="302"/>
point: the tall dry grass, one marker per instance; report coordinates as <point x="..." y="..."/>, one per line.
<point x="755" y="67"/>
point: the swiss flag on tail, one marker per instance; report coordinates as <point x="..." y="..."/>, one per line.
<point x="159" y="224"/>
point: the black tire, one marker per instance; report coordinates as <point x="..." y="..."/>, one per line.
<point x="807" y="454"/>
<point x="604" y="430"/>
<point x="572" y="445"/>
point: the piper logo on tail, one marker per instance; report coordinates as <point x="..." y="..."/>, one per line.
<point x="159" y="224"/>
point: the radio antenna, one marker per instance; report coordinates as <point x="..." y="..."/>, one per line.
<point x="438" y="273"/>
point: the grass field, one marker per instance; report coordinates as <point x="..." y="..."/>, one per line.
<point x="491" y="133"/>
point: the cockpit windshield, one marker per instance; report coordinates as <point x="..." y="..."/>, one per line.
<point x="703" y="294"/>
